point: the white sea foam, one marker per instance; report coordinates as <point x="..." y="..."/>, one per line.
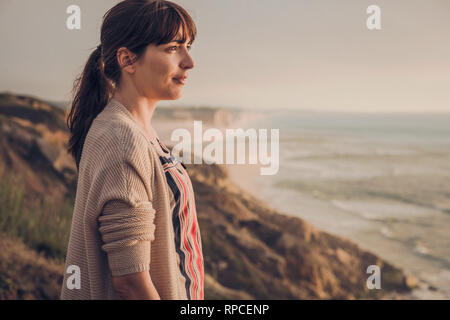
<point x="376" y="210"/>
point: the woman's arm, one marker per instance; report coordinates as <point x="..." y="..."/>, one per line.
<point x="135" y="286"/>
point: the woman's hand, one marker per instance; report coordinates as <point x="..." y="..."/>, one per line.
<point x="135" y="286"/>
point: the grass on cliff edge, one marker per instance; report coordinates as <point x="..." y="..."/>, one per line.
<point x="42" y="226"/>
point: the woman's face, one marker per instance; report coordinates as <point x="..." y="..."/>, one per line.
<point x="162" y="70"/>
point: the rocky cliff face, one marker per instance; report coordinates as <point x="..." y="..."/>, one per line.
<point x="251" y="251"/>
<point x="33" y="140"/>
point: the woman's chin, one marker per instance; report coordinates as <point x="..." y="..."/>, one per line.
<point x="172" y="97"/>
<point x="176" y="95"/>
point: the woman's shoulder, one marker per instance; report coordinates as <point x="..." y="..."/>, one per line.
<point x="113" y="140"/>
<point x="115" y="133"/>
<point x="114" y="118"/>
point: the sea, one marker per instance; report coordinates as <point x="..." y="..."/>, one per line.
<point x="379" y="179"/>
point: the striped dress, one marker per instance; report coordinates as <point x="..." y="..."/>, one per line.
<point x="188" y="242"/>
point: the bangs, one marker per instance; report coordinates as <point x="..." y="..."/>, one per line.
<point x="173" y="20"/>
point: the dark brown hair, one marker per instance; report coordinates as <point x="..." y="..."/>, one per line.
<point x="133" y="24"/>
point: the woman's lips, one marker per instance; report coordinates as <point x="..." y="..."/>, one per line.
<point x="180" y="80"/>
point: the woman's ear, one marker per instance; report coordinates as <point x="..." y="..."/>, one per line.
<point x="126" y="59"/>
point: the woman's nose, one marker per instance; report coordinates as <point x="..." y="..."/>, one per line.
<point x="187" y="62"/>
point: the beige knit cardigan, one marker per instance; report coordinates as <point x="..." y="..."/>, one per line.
<point x="119" y="166"/>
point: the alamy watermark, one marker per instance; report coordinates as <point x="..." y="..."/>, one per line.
<point x="214" y="151"/>
<point x="74" y="280"/>
<point x="374" y="281"/>
<point x="373" y="21"/>
<point x="74" y="19"/>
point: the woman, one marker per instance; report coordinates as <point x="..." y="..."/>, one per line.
<point x="134" y="231"/>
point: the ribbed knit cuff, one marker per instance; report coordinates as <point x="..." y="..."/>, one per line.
<point x="131" y="259"/>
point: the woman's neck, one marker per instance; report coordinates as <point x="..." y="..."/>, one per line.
<point x="141" y="108"/>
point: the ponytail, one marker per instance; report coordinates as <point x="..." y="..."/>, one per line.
<point x="92" y="92"/>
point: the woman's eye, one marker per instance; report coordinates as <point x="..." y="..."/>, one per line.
<point x="174" y="48"/>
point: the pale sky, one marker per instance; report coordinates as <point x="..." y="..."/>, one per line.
<point x="260" y="54"/>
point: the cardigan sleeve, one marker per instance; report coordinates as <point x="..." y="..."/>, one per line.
<point x="127" y="233"/>
<point x="126" y="222"/>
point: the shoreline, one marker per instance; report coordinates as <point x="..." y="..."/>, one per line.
<point x="245" y="175"/>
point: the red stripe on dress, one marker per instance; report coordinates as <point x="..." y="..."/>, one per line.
<point x="199" y="262"/>
<point x="184" y="224"/>
<point x="196" y="235"/>
<point x="184" y="235"/>
<point x="196" y="238"/>
<point x="196" y="243"/>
